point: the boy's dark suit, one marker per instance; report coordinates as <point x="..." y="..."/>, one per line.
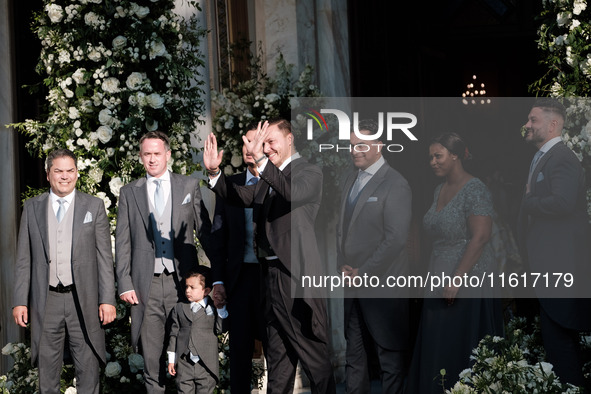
<point x="196" y="333"/>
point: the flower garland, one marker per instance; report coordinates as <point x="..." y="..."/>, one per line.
<point x="563" y="38"/>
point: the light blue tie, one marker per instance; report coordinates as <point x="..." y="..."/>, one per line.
<point x="357" y="186"/>
<point x="158" y="196"/>
<point x="252" y="181"/>
<point x="61" y="211"/>
<point x="533" y="164"/>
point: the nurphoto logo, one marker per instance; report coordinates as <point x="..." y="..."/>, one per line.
<point x="394" y="122"/>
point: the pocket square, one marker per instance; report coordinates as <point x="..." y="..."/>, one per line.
<point x="372" y="199"/>
<point x="540" y="177"/>
<point x="187" y="199"/>
<point x="88" y="217"/>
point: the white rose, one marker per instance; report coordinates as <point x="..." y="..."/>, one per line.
<point x="151" y="125"/>
<point x="8" y="349"/>
<point x="68" y="93"/>
<point x="136" y="362"/>
<point x="157" y="48"/>
<point x="115" y="186"/>
<point x="104" y="134"/>
<point x="83" y="142"/>
<point x="154" y="100"/>
<point x="95" y="174"/>
<point x="575" y="24"/>
<point x="112" y="369"/>
<point x="91" y="19"/>
<point x="54" y="12"/>
<point x="105" y="117"/>
<point x="236" y="160"/>
<point x="71" y="390"/>
<point x="119" y="42"/>
<point x="579" y="6"/>
<point x="134" y="80"/>
<point x="110" y="152"/>
<point x="111" y="85"/>
<point x="70" y="144"/>
<point x="78" y="76"/>
<point x="73" y="113"/>
<point x="78" y="132"/>
<point x="562" y="18"/>
<point x="139" y="11"/>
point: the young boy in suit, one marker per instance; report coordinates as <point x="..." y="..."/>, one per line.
<point x="193" y="336"/>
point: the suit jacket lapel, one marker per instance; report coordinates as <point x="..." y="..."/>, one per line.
<point x="540" y="164"/>
<point x="140" y="194"/>
<point x="188" y="312"/>
<point x="41" y="217"/>
<point x="367" y="191"/>
<point x="345" y="196"/>
<point x="80" y="208"/>
<point x="176" y="196"/>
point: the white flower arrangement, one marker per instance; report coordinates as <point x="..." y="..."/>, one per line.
<point x="563" y="39"/>
<point x="514" y="364"/>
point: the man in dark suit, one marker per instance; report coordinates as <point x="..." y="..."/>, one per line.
<point x="155" y="247"/>
<point x="371" y="239"/>
<point x="553" y="230"/>
<point x="64" y="277"/>
<point x="238" y="280"/>
<point x="287" y="197"/>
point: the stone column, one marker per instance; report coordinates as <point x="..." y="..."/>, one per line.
<point x="9" y="201"/>
<point x="311" y="32"/>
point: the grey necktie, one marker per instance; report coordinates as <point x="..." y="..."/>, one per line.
<point x="533" y="164"/>
<point x="195" y="306"/>
<point x="159" y="196"/>
<point x="61" y="211"/>
<point x="358" y="185"/>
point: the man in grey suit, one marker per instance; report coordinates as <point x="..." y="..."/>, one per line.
<point x="155" y="247"/>
<point x="371" y="238"/>
<point x="64" y="277"/>
<point x="554" y="235"/>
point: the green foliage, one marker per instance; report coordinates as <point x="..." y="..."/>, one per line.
<point x="564" y="39"/>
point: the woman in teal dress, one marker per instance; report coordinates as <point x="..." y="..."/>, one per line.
<point x="454" y="319"/>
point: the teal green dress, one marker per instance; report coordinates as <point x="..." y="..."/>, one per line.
<point x="448" y="333"/>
